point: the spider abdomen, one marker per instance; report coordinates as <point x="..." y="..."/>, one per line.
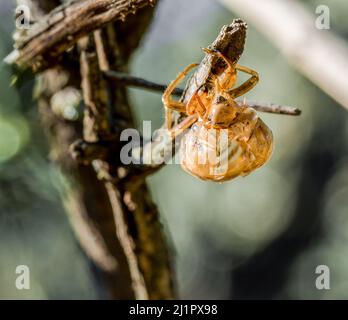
<point x="221" y="154"/>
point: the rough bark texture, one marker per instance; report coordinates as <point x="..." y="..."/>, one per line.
<point x="230" y="42"/>
<point x="137" y="220"/>
<point x="62" y="27"/>
<point x="94" y="204"/>
<point x="85" y="196"/>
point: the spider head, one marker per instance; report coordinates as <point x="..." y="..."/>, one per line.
<point x="222" y="113"/>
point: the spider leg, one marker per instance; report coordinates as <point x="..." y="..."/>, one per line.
<point x="231" y="73"/>
<point x="229" y="76"/>
<point x="247" y="85"/>
<point x="171" y="104"/>
<point x="195" y="105"/>
<point x="182" y="126"/>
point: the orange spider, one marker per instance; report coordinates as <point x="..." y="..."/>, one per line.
<point x="225" y="140"/>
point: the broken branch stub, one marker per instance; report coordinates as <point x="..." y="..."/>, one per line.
<point x="230" y="42"/>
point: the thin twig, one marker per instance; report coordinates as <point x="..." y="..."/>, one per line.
<point x="271" y="107"/>
<point x="128" y="80"/>
<point x="124" y="79"/>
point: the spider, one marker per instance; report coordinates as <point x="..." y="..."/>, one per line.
<point x="224" y="140"/>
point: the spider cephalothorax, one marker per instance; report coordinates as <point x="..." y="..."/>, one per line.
<point x="225" y="139"/>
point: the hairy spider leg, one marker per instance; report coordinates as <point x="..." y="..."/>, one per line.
<point x="171" y="104"/>
<point x="196" y="106"/>
<point x="247" y="85"/>
<point x="243" y="88"/>
<point x="183" y="125"/>
<point x="229" y="76"/>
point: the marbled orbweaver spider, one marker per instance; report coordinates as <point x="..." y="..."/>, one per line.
<point x="214" y="116"/>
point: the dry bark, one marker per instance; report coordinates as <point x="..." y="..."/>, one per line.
<point x="60" y="29"/>
<point x="138" y="227"/>
<point x="92" y="205"/>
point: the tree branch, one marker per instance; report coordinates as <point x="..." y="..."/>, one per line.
<point x="60" y="29"/>
<point x="137" y="219"/>
<point x="85" y="197"/>
<point x="124" y="79"/>
<point x="110" y="206"/>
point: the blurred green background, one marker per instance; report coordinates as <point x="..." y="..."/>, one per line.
<point x="261" y="236"/>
